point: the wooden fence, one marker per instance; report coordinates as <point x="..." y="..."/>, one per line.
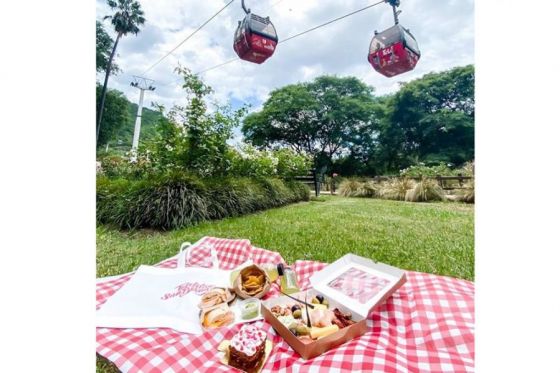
<point x="446" y="182"/>
<point x="311" y="181"/>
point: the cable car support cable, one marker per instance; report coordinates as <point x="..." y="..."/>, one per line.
<point x="296" y="35"/>
<point x="188" y="37"/>
<point x="331" y="21"/>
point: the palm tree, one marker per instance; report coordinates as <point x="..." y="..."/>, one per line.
<point x="127" y="18"/>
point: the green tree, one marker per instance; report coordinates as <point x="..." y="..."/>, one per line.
<point x="127" y="18"/>
<point x="429" y="120"/>
<point x="193" y="138"/>
<point x="322" y="118"/>
<point x="117" y="114"/>
<point x="103" y="47"/>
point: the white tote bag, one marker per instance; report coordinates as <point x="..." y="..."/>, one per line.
<point x="163" y="297"/>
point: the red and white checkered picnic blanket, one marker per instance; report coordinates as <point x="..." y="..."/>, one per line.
<point x="426" y="326"/>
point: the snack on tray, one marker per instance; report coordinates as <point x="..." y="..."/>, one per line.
<point x="280" y="310"/>
<point x="217" y="316"/>
<point x="324" y="321"/>
<point x="252" y="281"/>
<point x="320" y="317"/>
<point x="318" y="332"/>
<point x="247" y="348"/>
<point x="342" y="320"/>
<point x="214" y="297"/>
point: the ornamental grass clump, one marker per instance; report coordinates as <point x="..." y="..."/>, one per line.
<point x="178" y="200"/>
<point x="368" y="189"/>
<point x="349" y="188"/>
<point x="467" y="195"/>
<point x="396" y="188"/>
<point x="425" y="190"/>
<point x="468" y="169"/>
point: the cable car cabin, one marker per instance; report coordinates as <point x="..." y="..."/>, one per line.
<point x="255" y="39"/>
<point x="393" y="51"/>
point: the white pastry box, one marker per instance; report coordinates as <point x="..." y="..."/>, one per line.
<point x="351" y="284"/>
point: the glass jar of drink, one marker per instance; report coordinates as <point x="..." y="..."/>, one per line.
<point x="271" y="271"/>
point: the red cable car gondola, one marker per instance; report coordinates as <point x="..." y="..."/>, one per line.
<point x="395" y="50"/>
<point x="255" y="38"/>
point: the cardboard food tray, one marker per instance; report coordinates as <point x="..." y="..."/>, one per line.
<point x="338" y="283"/>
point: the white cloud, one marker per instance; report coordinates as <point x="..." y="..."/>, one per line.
<point x="444" y="30"/>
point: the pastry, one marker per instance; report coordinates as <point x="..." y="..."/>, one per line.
<point x="247" y="348"/>
<point x="214" y="297"/>
<point x="217" y="316"/>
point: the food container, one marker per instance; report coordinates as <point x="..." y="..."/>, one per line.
<point x="252" y="282"/>
<point x="351" y="284"/>
<point x="249" y="308"/>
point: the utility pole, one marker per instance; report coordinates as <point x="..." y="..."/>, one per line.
<point x="142" y="84"/>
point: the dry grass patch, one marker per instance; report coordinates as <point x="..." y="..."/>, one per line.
<point x="467" y="195"/>
<point x="425" y="190"/>
<point x="396" y="188"/>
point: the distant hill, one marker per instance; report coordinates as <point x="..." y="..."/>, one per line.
<point x="150" y="119"/>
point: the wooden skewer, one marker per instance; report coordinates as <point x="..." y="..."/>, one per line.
<point x="298" y="300"/>
<point x="307" y="311"/>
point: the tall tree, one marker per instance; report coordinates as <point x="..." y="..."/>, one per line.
<point x="430" y="120"/>
<point x="117" y="116"/>
<point x="103" y="47"/>
<point x="127" y="18"/>
<point x="322" y="118"/>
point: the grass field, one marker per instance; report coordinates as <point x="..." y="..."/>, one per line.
<point x="434" y="237"/>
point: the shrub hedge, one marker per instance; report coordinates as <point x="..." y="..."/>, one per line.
<point x="178" y="200"/>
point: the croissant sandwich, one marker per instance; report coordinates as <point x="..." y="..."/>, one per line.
<point x="217" y="316"/>
<point x="214" y="297"/>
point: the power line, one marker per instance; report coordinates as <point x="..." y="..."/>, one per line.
<point x="188" y="37"/>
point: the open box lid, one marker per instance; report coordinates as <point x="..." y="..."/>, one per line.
<point x="358" y="283"/>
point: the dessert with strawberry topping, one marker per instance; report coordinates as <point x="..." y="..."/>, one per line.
<point x="247" y="348"/>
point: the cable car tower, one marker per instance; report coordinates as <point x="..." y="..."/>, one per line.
<point x="143" y="84"/>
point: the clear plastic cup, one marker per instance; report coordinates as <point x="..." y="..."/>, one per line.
<point x="250" y="308"/>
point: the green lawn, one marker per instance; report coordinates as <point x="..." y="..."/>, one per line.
<point x="436" y="237"/>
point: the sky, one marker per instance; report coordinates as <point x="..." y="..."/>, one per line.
<point x="444" y="30"/>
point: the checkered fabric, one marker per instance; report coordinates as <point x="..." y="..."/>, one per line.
<point x="426" y="326"/>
